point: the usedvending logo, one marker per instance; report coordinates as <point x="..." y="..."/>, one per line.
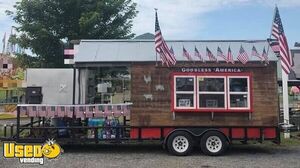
<point x="32" y="153"/>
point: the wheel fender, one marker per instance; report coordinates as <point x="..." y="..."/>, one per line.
<point x="208" y="130"/>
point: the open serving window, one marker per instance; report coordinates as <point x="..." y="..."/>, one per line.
<point x="211" y="92"/>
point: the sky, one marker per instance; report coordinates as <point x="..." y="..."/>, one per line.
<point x="203" y="19"/>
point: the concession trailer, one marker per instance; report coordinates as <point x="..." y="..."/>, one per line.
<point x="123" y="93"/>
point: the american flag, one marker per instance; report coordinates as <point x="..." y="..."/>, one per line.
<point x="197" y="54"/>
<point x="220" y="54"/>
<point x="89" y="112"/>
<point x="69" y="52"/>
<point x="210" y="56"/>
<point x="186" y="54"/>
<point x="243" y="56"/>
<point x="4" y="38"/>
<point x="32" y="111"/>
<point x="230" y="56"/>
<point x="274" y="45"/>
<point x="70" y="111"/>
<point x="171" y="50"/>
<point x="3" y="42"/>
<point x="51" y="111"/>
<point x="278" y="33"/>
<point x="256" y="54"/>
<point x="61" y="111"/>
<point x="265" y="56"/>
<point x="161" y="47"/>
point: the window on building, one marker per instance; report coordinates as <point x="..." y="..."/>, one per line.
<point x="239" y="92"/>
<point x="107" y="85"/>
<point x="199" y="92"/>
<point x="184" y="92"/>
<point x="5" y="66"/>
<point x="211" y="92"/>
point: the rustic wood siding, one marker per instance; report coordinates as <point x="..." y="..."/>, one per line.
<point x="157" y="112"/>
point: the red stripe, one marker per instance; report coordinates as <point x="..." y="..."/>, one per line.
<point x="158" y="33"/>
<point x="283" y="52"/>
<point x="69" y="52"/>
<point x="169" y="54"/>
<point x="284" y="61"/>
<point x="275" y="30"/>
<point x="285" y="70"/>
<point x="163" y="50"/>
<point x="243" y="58"/>
<point x="284" y="65"/>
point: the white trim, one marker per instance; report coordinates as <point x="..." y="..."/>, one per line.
<point x="184" y="92"/>
<point x="196" y="93"/>
<point x="239" y="93"/>
<point x="211" y="92"/>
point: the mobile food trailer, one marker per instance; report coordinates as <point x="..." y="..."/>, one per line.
<point x="122" y="92"/>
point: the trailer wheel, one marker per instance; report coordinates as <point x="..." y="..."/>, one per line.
<point x="180" y="143"/>
<point x="213" y="143"/>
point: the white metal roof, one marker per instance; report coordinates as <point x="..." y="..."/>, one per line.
<point x="143" y="50"/>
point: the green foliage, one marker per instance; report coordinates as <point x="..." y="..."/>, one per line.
<point x="13" y="39"/>
<point x="19" y="74"/>
<point x="24" y="61"/>
<point x="47" y="26"/>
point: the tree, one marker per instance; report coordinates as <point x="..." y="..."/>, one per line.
<point x="46" y="26"/>
<point x="26" y="61"/>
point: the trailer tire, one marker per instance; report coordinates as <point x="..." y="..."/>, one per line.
<point x="180" y="143"/>
<point x="213" y="143"/>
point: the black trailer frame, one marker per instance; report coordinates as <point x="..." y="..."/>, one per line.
<point x="195" y="130"/>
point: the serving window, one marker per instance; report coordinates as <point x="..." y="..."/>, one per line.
<point x="184" y="92"/>
<point x="218" y="93"/>
<point x="239" y="92"/>
<point x="211" y="93"/>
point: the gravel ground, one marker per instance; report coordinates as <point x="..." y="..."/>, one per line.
<point x="14" y="121"/>
<point x="152" y="156"/>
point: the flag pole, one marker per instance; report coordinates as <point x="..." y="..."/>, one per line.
<point x="271" y="29"/>
<point x="3" y="41"/>
<point x="285" y="97"/>
<point x="156" y="64"/>
<point x="285" y="94"/>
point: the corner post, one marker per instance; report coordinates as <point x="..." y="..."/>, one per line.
<point x="285" y="97"/>
<point x="18" y="124"/>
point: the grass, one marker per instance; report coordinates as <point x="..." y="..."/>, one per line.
<point x="1" y="132"/>
<point x="7" y="116"/>
<point x="293" y="141"/>
<point x="7" y="130"/>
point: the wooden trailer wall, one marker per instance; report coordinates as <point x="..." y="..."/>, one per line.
<point x="151" y="97"/>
